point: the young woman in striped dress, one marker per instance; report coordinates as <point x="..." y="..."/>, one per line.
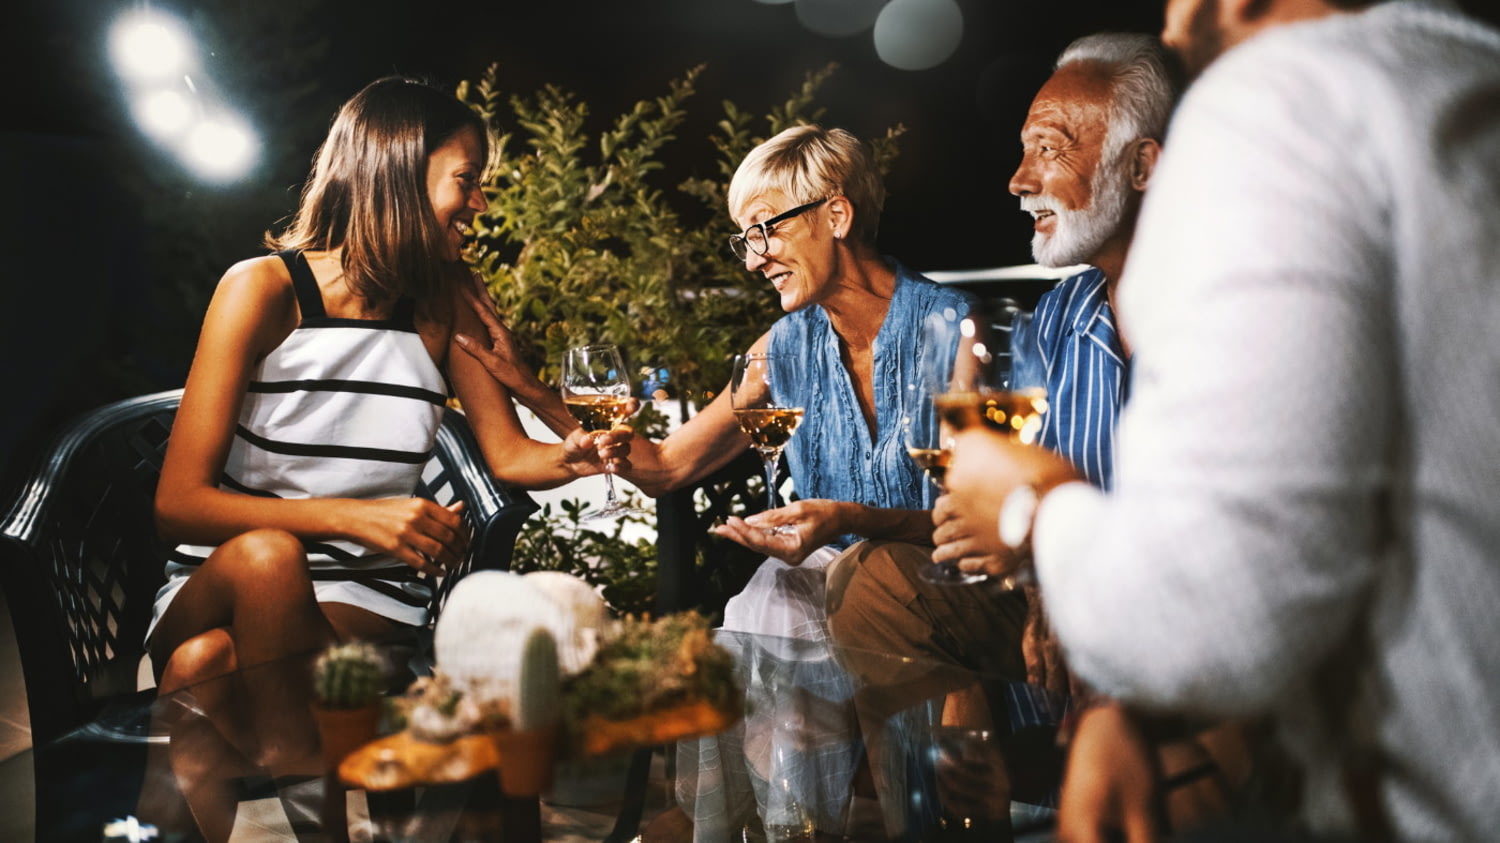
<point x="310" y="409"/>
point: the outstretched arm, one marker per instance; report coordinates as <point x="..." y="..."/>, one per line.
<point x="513" y="456"/>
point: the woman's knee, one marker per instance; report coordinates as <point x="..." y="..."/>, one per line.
<point x="263" y="556"/>
<point x="198" y="659"/>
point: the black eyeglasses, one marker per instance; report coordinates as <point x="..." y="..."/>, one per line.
<point x="757" y="238"/>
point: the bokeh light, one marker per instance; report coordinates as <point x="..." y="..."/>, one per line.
<point x="149" y="45"/>
<point x="838" y="17"/>
<point x="219" y="149"/>
<point x="918" y="34"/>
<point x="164" y="113"/>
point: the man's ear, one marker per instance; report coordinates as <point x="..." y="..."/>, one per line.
<point x="1143" y="162"/>
<point x="840" y="215"/>
<point x="1234" y="14"/>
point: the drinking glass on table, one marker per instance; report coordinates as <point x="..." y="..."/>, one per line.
<point x="767" y="406"/>
<point x="596" y="390"/>
<point x="996" y="381"/>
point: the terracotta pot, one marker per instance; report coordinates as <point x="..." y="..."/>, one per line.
<point x="343" y="730"/>
<point x="527" y="759"/>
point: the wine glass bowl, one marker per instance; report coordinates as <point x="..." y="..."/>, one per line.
<point x="928" y="442"/>
<point x="596" y="390"/>
<point x="767" y="408"/>
<point x="994" y="380"/>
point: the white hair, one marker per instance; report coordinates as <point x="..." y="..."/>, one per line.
<point x="1143" y="91"/>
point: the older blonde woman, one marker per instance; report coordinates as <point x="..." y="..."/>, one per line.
<point x="809" y="201"/>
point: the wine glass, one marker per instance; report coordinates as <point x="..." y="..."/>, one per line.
<point x="766" y="405"/>
<point x="928" y="444"/>
<point x="995" y="380"/>
<point x="596" y="390"/>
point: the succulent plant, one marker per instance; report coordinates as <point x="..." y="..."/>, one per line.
<point x="349" y="675"/>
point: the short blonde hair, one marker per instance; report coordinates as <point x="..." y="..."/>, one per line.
<point x="808" y="163"/>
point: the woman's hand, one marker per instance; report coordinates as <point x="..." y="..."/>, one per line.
<point x="501" y="359"/>
<point x="804" y="526"/>
<point x="417" y="531"/>
<point x="588" y="454"/>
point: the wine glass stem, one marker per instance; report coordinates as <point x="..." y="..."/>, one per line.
<point x="773" y="461"/>
<point x="609" y="490"/>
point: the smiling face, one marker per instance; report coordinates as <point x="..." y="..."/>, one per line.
<point x="1076" y="199"/>
<point x="800" y="261"/>
<point x="453" y="187"/>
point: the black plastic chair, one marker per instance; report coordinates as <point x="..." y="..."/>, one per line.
<point x="80" y="564"/>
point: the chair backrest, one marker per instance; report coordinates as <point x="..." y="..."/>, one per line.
<point x="80" y="562"/>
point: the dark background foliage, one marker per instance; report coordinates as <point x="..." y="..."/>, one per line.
<point x="111" y="251"/>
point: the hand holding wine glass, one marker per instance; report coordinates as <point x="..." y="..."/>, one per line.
<point x="993" y="382"/>
<point x="596" y="390"/>
<point x="767" y="407"/>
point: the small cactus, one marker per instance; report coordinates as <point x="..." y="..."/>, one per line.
<point x="538" y="692"/>
<point x="349" y="675"/>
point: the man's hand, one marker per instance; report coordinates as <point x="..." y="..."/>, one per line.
<point x="986" y="467"/>
<point x="976" y="549"/>
<point x="1109" y="787"/>
<point x="790" y="533"/>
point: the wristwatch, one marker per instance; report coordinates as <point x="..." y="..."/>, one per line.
<point x="1017" y="514"/>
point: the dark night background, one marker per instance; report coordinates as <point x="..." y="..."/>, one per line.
<point x="111" y="250"/>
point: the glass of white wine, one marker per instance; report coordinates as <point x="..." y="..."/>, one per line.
<point x="928" y="443"/>
<point x="995" y="380"/>
<point x="596" y="390"/>
<point x="767" y="406"/>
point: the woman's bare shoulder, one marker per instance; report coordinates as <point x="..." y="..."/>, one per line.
<point x="258" y="290"/>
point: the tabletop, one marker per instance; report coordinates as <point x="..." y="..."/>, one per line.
<point x="835" y="745"/>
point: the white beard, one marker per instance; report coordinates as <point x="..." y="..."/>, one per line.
<point x="1079" y="234"/>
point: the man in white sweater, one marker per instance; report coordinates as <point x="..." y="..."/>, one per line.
<point x="1306" y="516"/>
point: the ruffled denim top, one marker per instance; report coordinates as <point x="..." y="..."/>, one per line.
<point x="833" y="454"/>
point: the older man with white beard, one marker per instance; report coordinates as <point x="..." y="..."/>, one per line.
<point x="1089" y="144"/>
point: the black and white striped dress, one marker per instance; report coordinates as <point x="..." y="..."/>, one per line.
<point x="343" y="408"/>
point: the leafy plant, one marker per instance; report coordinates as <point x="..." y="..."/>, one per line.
<point x="558" y="540"/>
<point x="579" y="245"/>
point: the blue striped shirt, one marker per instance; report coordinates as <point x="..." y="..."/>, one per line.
<point x="1086" y="373"/>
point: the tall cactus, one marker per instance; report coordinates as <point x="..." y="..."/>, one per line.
<point x="348" y="675"/>
<point x="538" y="691"/>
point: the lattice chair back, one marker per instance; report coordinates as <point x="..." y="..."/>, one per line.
<point x="80" y="562"/>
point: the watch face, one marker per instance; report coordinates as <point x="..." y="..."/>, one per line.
<point x="1016" y="515"/>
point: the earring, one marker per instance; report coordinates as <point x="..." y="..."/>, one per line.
<point x="838" y="235"/>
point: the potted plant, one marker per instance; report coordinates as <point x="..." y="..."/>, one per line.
<point x="348" y="684"/>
